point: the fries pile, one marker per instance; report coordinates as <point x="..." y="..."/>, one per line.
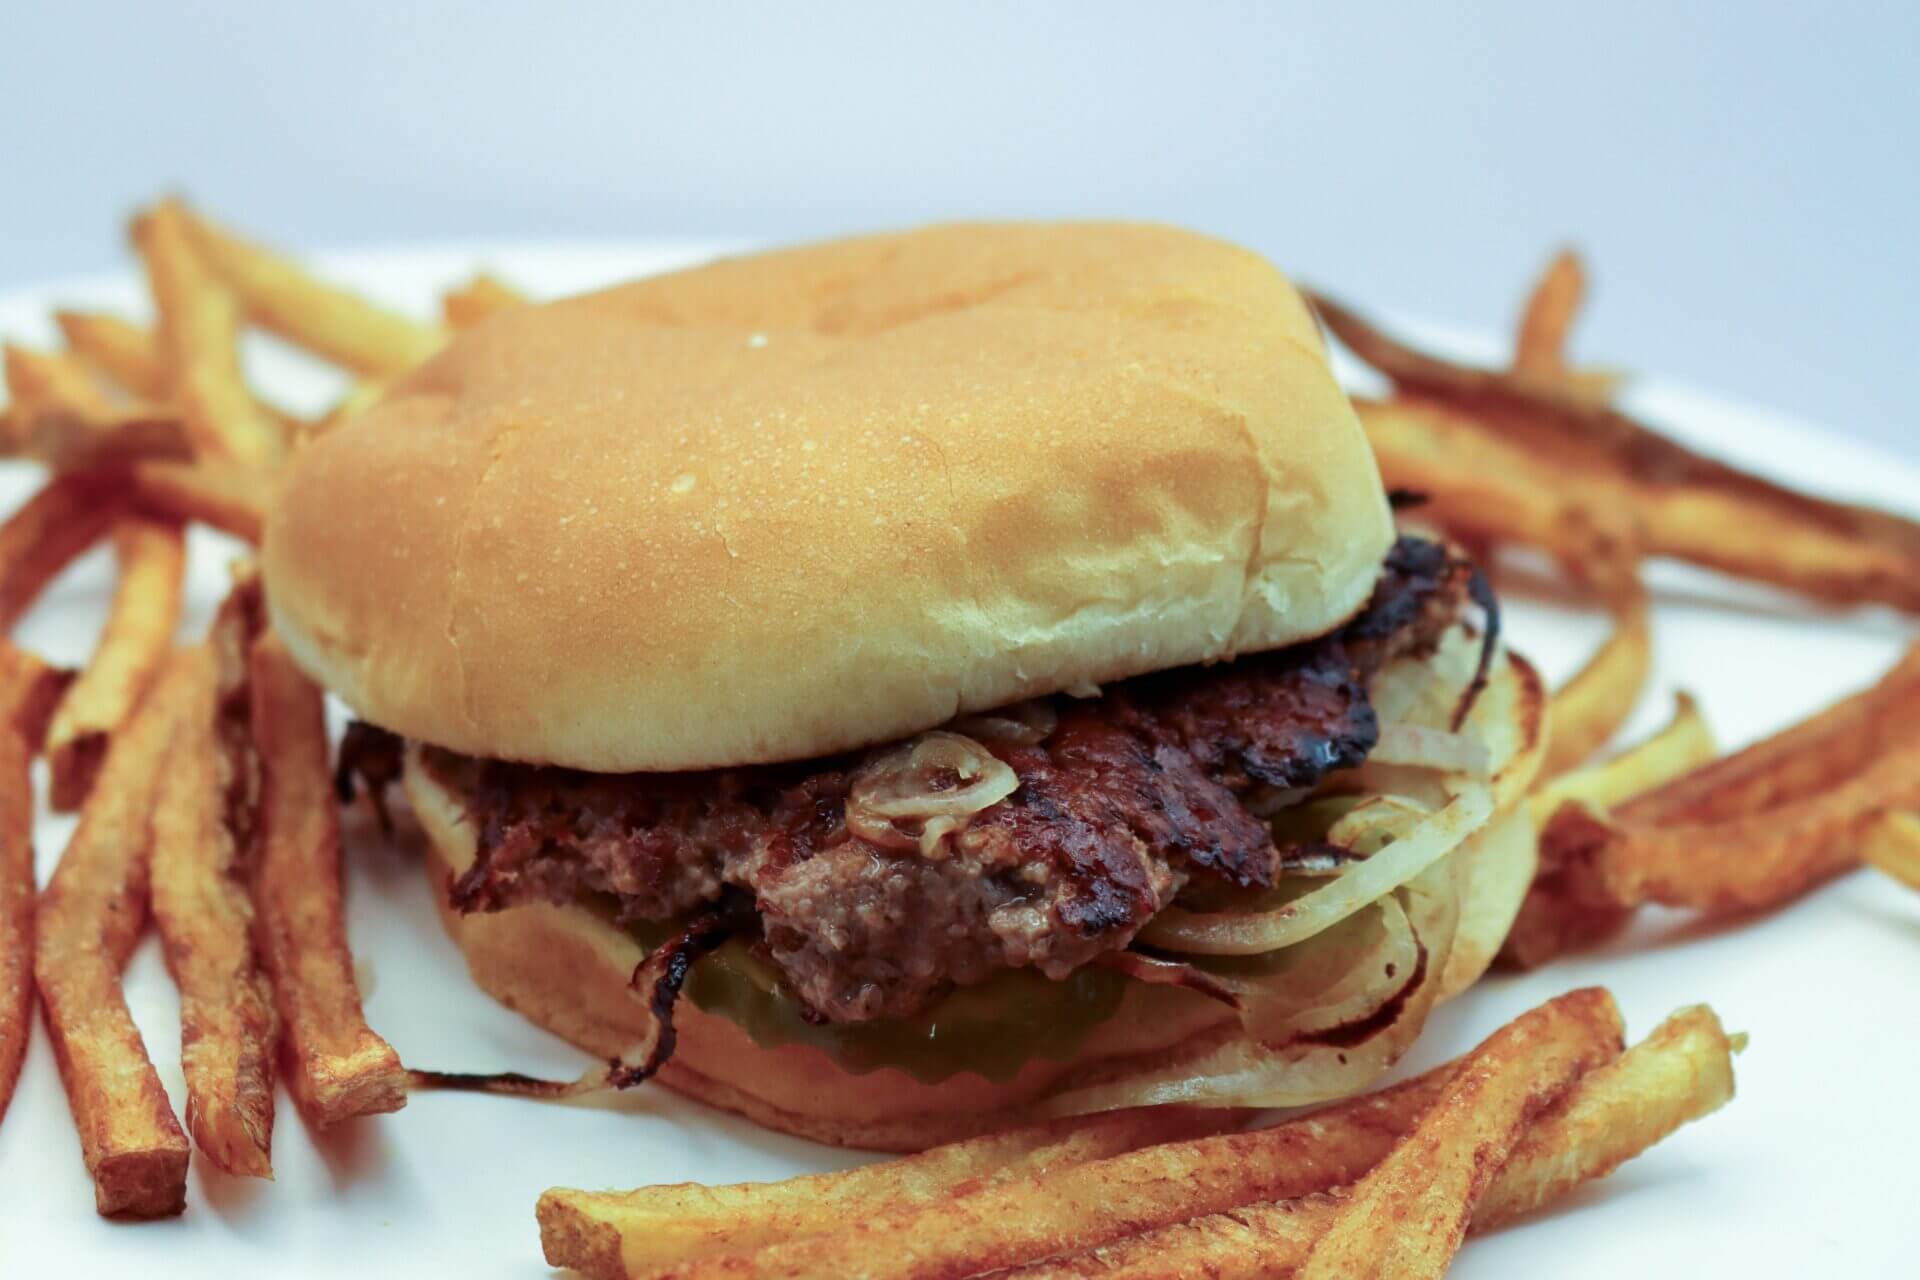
<point x="1386" y="1184"/>
<point x="201" y="773"/>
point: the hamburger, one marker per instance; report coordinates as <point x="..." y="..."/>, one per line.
<point x="892" y="687"/>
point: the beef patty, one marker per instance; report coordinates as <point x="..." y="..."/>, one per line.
<point x="1121" y="800"/>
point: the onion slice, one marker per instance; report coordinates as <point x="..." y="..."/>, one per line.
<point x="1250" y="934"/>
<point x="1426" y="748"/>
<point x="1229" y="1068"/>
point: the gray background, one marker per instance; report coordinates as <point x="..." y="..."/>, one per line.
<point x="1742" y="175"/>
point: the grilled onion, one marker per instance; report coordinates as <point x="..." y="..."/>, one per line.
<point x="1252" y="933"/>
<point x="933" y="783"/>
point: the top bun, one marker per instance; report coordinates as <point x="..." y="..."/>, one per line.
<point x="799" y="502"/>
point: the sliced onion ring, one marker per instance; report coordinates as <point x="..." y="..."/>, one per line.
<point x="905" y="785"/>
<point x="1422" y="747"/>
<point x="1250" y="934"/>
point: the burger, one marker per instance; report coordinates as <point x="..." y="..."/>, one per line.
<point x="893" y="687"/>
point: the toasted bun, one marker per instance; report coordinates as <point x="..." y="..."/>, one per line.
<point x="567" y="970"/>
<point x="791" y="504"/>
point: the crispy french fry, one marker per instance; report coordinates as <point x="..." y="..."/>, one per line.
<point x="279" y="294"/>
<point x="1540" y="345"/>
<point x="41" y="382"/>
<point x="124" y="351"/>
<point x="67" y="516"/>
<point x="199" y="339"/>
<point x="1681" y="1072"/>
<point x="90" y="917"/>
<point x="1407" y="1217"/>
<point x="335" y="1066"/>
<point x="200" y="903"/>
<point x="585" y="1230"/>
<point x="1893" y="845"/>
<point x="132" y="648"/>
<point x="1590" y="708"/>
<point x="16" y="911"/>
<point x="1762" y="826"/>
<point x="1009" y="1223"/>
<point x="30" y="689"/>
<point x="224" y="495"/>
<point x="1563" y="909"/>
<point x="1683" y="744"/>
<point x="477" y="299"/>
<point x="1579" y="454"/>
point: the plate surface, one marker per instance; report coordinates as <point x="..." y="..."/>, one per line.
<point x="1810" y="1166"/>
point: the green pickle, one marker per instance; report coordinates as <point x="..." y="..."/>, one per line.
<point x="992" y="1029"/>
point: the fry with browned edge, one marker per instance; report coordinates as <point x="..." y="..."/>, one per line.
<point x="1893" y="845"/>
<point x="688" y="1220"/>
<point x="1407" y="1217"/>
<point x="280" y="294"/>
<point x="1011" y="1223"/>
<point x="1508" y="434"/>
<point x="1679" y="1073"/>
<point x="30" y="689"/>
<point x="335" y="1065"/>
<point x="91" y="916"/>
<point x="69" y="514"/>
<point x="200" y="342"/>
<point x="132" y="647"/>
<point x="1562" y="910"/>
<point x="223" y="495"/>
<point x="1764" y="825"/>
<point x="200" y="903"/>
<point x="16" y="911"/>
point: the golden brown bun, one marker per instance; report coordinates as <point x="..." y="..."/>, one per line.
<point x="567" y="970"/>
<point x="789" y="504"/>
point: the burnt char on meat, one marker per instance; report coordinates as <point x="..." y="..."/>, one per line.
<point x="1129" y="796"/>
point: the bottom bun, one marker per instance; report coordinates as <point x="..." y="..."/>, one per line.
<point x="567" y="970"/>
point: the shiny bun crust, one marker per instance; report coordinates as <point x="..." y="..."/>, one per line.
<point x="567" y="970"/>
<point x="789" y="504"/>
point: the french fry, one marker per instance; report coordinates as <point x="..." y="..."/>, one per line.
<point x="66" y="517"/>
<point x="132" y="648"/>
<point x="279" y="294"/>
<point x="1680" y="1073"/>
<point x="585" y="1230"/>
<point x="124" y="351"/>
<point x="1893" y="846"/>
<point x="1407" y="1217"/>
<point x="223" y="495"/>
<point x="200" y="903"/>
<point x="1050" y="1178"/>
<point x="1683" y="744"/>
<point x="1563" y="910"/>
<point x="199" y="340"/>
<point x="16" y="911"/>
<point x="90" y="917"/>
<point x="1591" y="707"/>
<point x="30" y="689"/>
<point x="1540" y="345"/>
<point x="63" y="417"/>
<point x="477" y="299"/>
<point x="1762" y="826"/>
<point x="39" y="382"/>
<point x="1598" y="459"/>
<point x="335" y="1066"/>
<point x="1008" y="1223"/>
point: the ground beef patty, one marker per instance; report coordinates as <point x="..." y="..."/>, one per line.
<point x="1125" y="798"/>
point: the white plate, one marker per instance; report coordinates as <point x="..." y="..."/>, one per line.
<point x="1811" y="1166"/>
